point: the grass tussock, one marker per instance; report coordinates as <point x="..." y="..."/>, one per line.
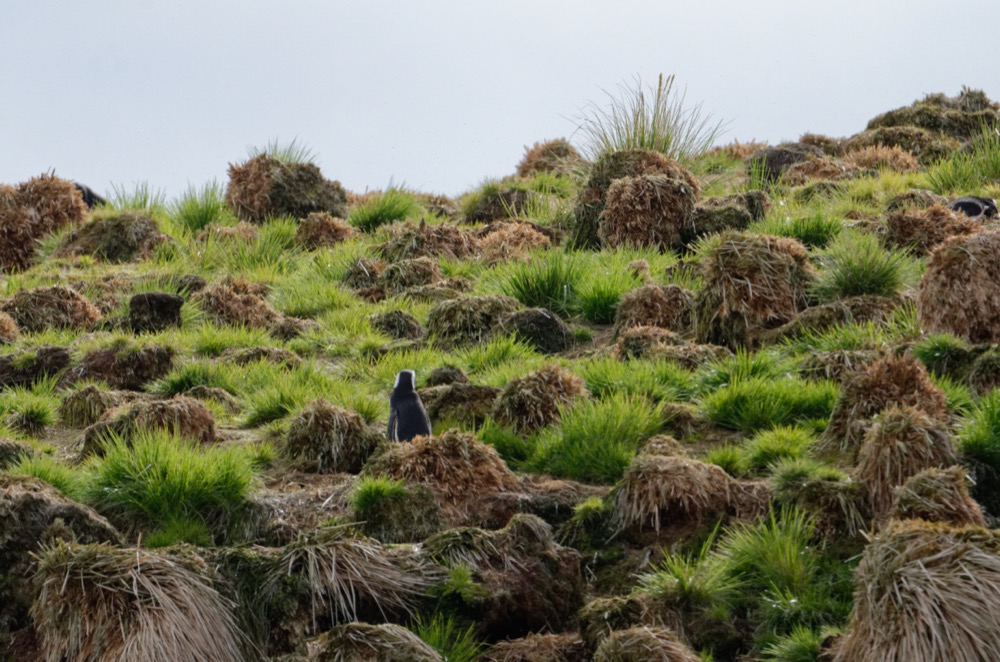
<point x="938" y="495"/>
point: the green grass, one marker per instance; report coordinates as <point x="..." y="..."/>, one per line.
<point x="801" y="645"/>
<point x="393" y="204"/>
<point x="71" y="481"/>
<point x="744" y="365"/>
<point x="455" y="642"/>
<point x="548" y="281"/>
<point x="499" y="351"/>
<point x="290" y="152"/>
<point x="599" y="296"/>
<point x="373" y="491"/>
<point x="941" y="353"/>
<point x="141" y="197"/>
<point x="199" y="207"/>
<point x="771" y="446"/>
<point x="660" y="381"/>
<point x="856" y="264"/>
<point x="979" y="444"/>
<point x="186" y="530"/>
<point x="966" y="171"/>
<point x="761" y="403"/>
<point x="597" y="439"/>
<point x="814" y="231"/>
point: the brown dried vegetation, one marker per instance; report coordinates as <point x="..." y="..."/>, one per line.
<point x="56" y="307"/>
<point x="531" y="402"/>
<point x="326" y="438"/>
<point x="648" y="210"/>
<point x="969" y="265"/>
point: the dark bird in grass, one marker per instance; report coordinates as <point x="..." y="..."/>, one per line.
<point x="90" y="198"/>
<point x="407" y="416"/>
<point x="975" y="207"/>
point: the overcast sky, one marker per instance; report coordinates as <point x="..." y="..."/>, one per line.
<point x="440" y="95"/>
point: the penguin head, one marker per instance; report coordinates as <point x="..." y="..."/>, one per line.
<point x="406" y="380"/>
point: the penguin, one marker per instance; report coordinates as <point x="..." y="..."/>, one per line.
<point x="975" y="207"/>
<point x="90" y="198"/>
<point x="407" y="416"/>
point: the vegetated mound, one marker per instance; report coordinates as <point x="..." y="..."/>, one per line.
<point x="664" y="306"/>
<point x="557" y="156"/>
<point x="321" y="230"/>
<point x="242" y="232"/>
<point x="852" y="310"/>
<point x="56" y="307"/>
<point x="151" y="312"/>
<point x="915" y="198"/>
<point x="181" y="416"/>
<point x="773" y="162"/>
<point x="265" y="186"/>
<point x="921" y="230"/>
<point x="925" y="591"/>
<point x="644" y="644"/>
<point x="509" y="241"/>
<point x="730" y="212"/>
<point x="499" y="201"/>
<point x="98" y="602"/>
<point x="960" y="290"/>
<point x="938" y="495"/>
<point x="115" y="236"/>
<point x="901" y="442"/>
<point x="12" y="452"/>
<point x="961" y="117"/>
<point x="564" y="647"/>
<point x="365" y="642"/>
<point x="397" y="324"/>
<point x="124" y="366"/>
<point x="592" y="198"/>
<point x="18" y="232"/>
<point x="751" y="283"/>
<point x="405" y="274"/>
<point x="273" y="355"/>
<point x="55" y="202"/>
<point x="540" y="328"/>
<point x="9" y="331"/>
<point x="84" y="406"/>
<point x="468" y="320"/>
<point x="637" y="342"/>
<point x="461" y="403"/>
<point x="890" y="381"/>
<point x="463" y="473"/>
<point x="395" y="511"/>
<point x="648" y="210"/>
<point x="325" y="438"/>
<point x="529" y="403"/>
<point x="526" y="582"/>
<point x="412" y="240"/>
<point x="237" y="303"/>
<point x="32" y="514"/>
<point x="880" y="157"/>
<point x="27" y="366"/>
<point x="928" y="146"/>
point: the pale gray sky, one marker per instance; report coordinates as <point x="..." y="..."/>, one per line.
<point x="437" y="94"/>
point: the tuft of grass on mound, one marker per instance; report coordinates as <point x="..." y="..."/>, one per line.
<point x="761" y="403"/>
<point x="856" y="264"/>
<point x="200" y="207"/>
<point x="551" y="281"/>
<point x="71" y="481"/>
<point x="393" y="204"/>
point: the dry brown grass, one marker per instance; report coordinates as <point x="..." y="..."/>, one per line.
<point x="412" y="240"/>
<point x="238" y="303"/>
<point x="927" y="146"/>
<point x="461" y="471"/>
<point x="24" y="367"/>
<point x="9" y="331"/>
<point x="890" y="381"/>
<point x="181" y="416"/>
<point x="98" y="603"/>
<point x="970" y="266"/>
<point x="670" y="492"/>
<point x="363" y="274"/>
<point x="881" y="157"/>
<point x="641" y="341"/>
<point x="557" y="156"/>
<point x="649" y="210"/>
<point x="320" y="230"/>
<point x="56" y="202"/>
<point x="914" y="199"/>
<point x="364" y="642"/>
<point x="751" y="283"/>
<point x="463" y="403"/>
<point x="114" y="236"/>
<point x="124" y="367"/>
<point x="404" y="274"/>
<point x="531" y="402"/>
<point x="938" y="495"/>
<point x="830" y="146"/>
<point x="468" y="319"/>
<point x="665" y="306"/>
<point x="565" y="647"/>
<point x="507" y="242"/>
<point x="397" y="324"/>
<point x="18" y="232"/>
<point x="902" y="442"/>
<point x="644" y="644"/>
<point x="921" y="230"/>
<point x="924" y="591"/>
<point x="327" y="438"/>
<point x="264" y="186"/>
<point x="738" y="150"/>
<point x="56" y="307"/>
<point x="86" y="405"/>
<point x="816" y="169"/>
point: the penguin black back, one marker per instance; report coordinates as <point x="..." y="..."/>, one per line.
<point x="407" y="416"/>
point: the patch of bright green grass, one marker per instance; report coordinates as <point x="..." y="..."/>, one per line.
<point x="979" y="443"/>
<point x="661" y="381"/>
<point x="781" y="443"/>
<point x="968" y="170"/>
<point x="188" y="530"/>
<point x="856" y="263"/>
<point x="813" y="230"/>
<point x="500" y="350"/>
<point x="393" y="204"/>
<point x="941" y="353"/>
<point x="141" y="197"/>
<point x="455" y="642"/>
<point x="199" y="207"/>
<point x="551" y="280"/>
<point x="71" y="481"/>
<point x="599" y="296"/>
<point x="762" y="403"/>
<point x="373" y="491"/>
<point x="290" y="152"/>
<point x="514" y="448"/>
<point x="744" y="365"/>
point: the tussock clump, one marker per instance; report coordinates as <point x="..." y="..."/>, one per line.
<point x="327" y="438"/>
<point x="97" y="602"/>
<point x="181" y="416"/>
<point x="737" y="150"/>
<point x="404" y="274"/>
<point x="823" y="168"/>
<point x="639" y="342"/>
<point x="817" y="319"/>
<point x="531" y="402"/>
<point x="591" y="200"/>
<point x="916" y="198"/>
<point x="242" y="231"/>
<point x="56" y="202"/>
<point x="970" y="266"/>
<point x="557" y="156"/>
<point x="85" y="406"/>
<point x="413" y="240"/>
<point x="540" y="328"/>
<point x="924" y="591"/>
<point x="902" y="442"/>
<point x="56" y="307"/>
<point x="691" y="356"/>
<point x="462" y="472"/>
<point x="507" y="242"/>
<point x="155" y="311"/>
<point x="649" y="210"/>
<point x="665" y="306"/>
<point x="938" y="495"/>
<point x="289" y="328"/>
<point x="602" y="616"/>
<point x="28" y="366"/>
<point x="364" y="642"/>
<point x="363" y="274"/>
<point x="33" y="513"/>
<point x="395" y="512"/>
<point x="837" y="365"/>
<point x="463" y="403"/>
<point x="928" y="146"/>
<point x="839" y="504"/>
<point x="9" y="331"/>
<point x="644" y="644"/>
<point x="237" y="303"/>
<point x="468" y="319"/>
<point x="830" y="146"/>
<point x="11" y="452"/>
<point x="499" y="202"/>
<point x="890" y="381"/>
<point x="274" y="355"/>
<point x="265" y="186"/>
<point x="953" y="117"/>
<point x="882" y="157"/>
<point x="114" y="236"/>
<point x="18" y="232"/>
<point x="773" y="162"/>
<point x="922" y="230"/>
<point x="320" y="230"/>
<point x="670" y="492"/>
<point x="566" y="647"/>
<point x="397" y="324"/>
<point x="731" y="212"/>
<point x="751" y="283"/>
<point x="124" y="366"/>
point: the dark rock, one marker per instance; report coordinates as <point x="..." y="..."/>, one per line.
<point x="189" y="284"/>
<point x="129" y="368"/>
<point x="155" y="311"/>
